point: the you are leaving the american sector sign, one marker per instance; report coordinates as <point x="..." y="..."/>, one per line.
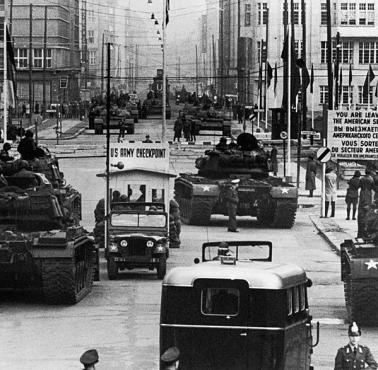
<point x="353" y="134"/>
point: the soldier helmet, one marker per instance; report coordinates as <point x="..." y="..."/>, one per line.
<point x="171" y="355"/>
<point x="354" y="330"/>
<point x="89" y="357"/>
<point x="223" y="139"/>
<point x="357" y="173"/>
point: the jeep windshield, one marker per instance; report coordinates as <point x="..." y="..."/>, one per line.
<point x="138" y="219"/>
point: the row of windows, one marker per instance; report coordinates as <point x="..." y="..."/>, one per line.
<point x="347" y="15"/>
<point x="347" y="96"/>
<point x="21" y="57"/>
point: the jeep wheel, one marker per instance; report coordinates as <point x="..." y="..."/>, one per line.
<point x="112" y="268"/>
<point x="162" y="267"/>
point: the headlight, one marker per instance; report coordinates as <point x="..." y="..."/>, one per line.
<point x="150" y="244"/>
<point x="113" y="248"/>
<point x="123" y="243"/>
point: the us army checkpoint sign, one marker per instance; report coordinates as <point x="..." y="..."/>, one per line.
<point x="353" y="134"/>
<point x="152" y="156"/>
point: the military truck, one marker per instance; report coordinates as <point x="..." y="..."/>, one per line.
<point x="42" y="245"/>
<point x="359" y="272"/>
<point x="270" y="199"/>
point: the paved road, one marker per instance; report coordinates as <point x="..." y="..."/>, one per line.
<point x="120" y="318"/>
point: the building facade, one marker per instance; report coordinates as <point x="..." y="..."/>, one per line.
<point x="260" y="27"/>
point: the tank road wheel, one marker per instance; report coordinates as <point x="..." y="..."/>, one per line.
<point x="112" y="268"/>
<point x="284" y="213"/>
<point x="185" y="209"/>
<point x="265" y="212"/>
<point x="67" y="280"/>
<point x="364" y="301"/>
<point x="201" y="211"/>
<point x="162" y="267"/>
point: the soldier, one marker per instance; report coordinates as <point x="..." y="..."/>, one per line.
<point x="351" y="197"/>
<point x="231" y="198"/>
<point x="89" y="359"/>
<point x="273" y="159"/>
<point x="27" y="146"/>
<point x="170" y="358"/>
<point x="174" y="224"/>
<point x="222" y="145"/>
<point x="353" y="355"/>
<point x="311" y="175"/>
<point x="365" y="201"/>
<point x="177" y="129"/>
<point x="147" y="140"/>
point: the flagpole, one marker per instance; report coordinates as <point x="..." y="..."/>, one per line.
<point x="312" y="112"/>
<point x="164" y="102"/>
<point x="368" y="89"/>
<point x="5" y="83"/>
<point x="289" y="93"/>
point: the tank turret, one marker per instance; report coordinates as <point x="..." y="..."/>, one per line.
<point x="244" y="158"/>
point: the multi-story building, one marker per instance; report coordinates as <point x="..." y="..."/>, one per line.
<point x="260" y="25"/>
<point x="58" y="49"/>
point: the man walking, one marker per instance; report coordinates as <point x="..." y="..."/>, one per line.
<point x="231" y="198"/>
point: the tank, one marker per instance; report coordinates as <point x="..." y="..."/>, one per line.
<point x="210" y="119"/>
<point x="270" y="199"/>
<point x="42" y="245"/>
<point x="359" y="273"/>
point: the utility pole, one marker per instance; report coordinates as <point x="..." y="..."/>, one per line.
<point x="136" y="66"/>
<point x="44" y="64"/>
<point x="102" y="63"/>
<point x="266" y="65"/>
<point x="329" y="56"/>
<point x="304" y="53"/>
<point x="221" y="50"/>
<point x="179" y="71"/>
<point x="84" y="42"/>
<point x="30" y="62"/>
<point x="239" y="59"/>
<point x="107" y="195"/>
<point x="337" y="65"/>
<point x="214" y="65"/>
<point x="196" y="72"/>
<point x="10" y="17"/>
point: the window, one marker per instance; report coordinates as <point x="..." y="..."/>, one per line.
<point x="345" y="53"/>
<point x="259" y="52"/>
<point x="247" y="19"/>
<point x="38" y="58"/>
<point x="262" y="13"/>
<point x="48" y="58"/>
<point x="2" y="8"/>
<point x="364" y="99"/>
<point x="347" y="95"/>
<point x="92" y="57"/>
<point x="323" y="15"/>
<point x="362" y="6"/>
<point x="91" y="17"/>
<point x="90" y="37"/>
<point x="370" y="14"/>
<point x="368" y="52"/>
<point x="1" y="28"/>
<point x="323" y="94"/>
<point x="296" y="13"/>
<point x="220" y="301"/>
<point x="21" y="58"/>
<point x="298" y="46"/>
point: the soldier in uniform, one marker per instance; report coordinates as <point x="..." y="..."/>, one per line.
<point x="353" y="355"/>
<point x="222" y="145"/>
<point x="232" y="200"/>
<point x="174" y="224"/>
<point x="366" y="199"/>
<point x="89" y="359"/>
<point x="170" y="358"/>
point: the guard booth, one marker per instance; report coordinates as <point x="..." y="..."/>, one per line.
<point x="279" y="124"/>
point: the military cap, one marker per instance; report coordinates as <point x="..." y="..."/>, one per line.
<point x="89" y="357"/>
<point x="354" y="330"/>
<point x="172" y="354"/>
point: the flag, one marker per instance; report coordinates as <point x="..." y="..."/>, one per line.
<point x="350" y="75"/>
<point x="376" y="90"/>
<point x="167" y="12"/>
<point x="369" y="77"/>
<point x="275" y="79"/>
<point x="312" y="79"/>
<point x="269" y="74"/>
<point x="305" y="77"/>
<point x="11" y="71"/>
<point x="293" y="71"/>
<point x="341" y="86"/>
<point x="260" y="77"/>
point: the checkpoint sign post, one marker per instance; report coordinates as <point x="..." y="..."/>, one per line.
<point x="283" y="136"/>
<point x="323" y="155"/>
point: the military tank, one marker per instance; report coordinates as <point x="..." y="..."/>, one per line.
<point x="270" y="199"/>
<point x="359" y="273"/>
<point x="210" y="119"/>
<point x="42" y="245"/>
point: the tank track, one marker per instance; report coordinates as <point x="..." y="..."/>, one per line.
<point x="66" y="281"/>
<point x="284" y="213"/>
<point x="361" y="297"/>
<point x="196" y="210"/>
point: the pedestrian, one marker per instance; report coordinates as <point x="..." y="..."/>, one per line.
<point x="177" y="129"/>
<point x="365" y="200"/>
<point x="4" y="153"/>
<point x="36" y="108"/>
<point x="240" y="113"/>
<point x="192" y="130"/>
<point x="186" y="127"/>
<point x="330" y="191"/>
<point x="231" y="199"/>
<point x="27" y="146"/>
<point x="170" y="358"/>
<point x="311" y="175"/>
<point x="147" y="139"/>
<point x="122" y="130"/>
<point x="23" y="110"/>
<point x="351" y="197"/>
<point x="89" y="359"/>
<point x="273" y="159"/>
<point x="174" y="224"/>
<point x="354" y="355"/>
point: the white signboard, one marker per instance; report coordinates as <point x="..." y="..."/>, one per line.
<point x="353" y="134"/>
<point x="152" y="156"/>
